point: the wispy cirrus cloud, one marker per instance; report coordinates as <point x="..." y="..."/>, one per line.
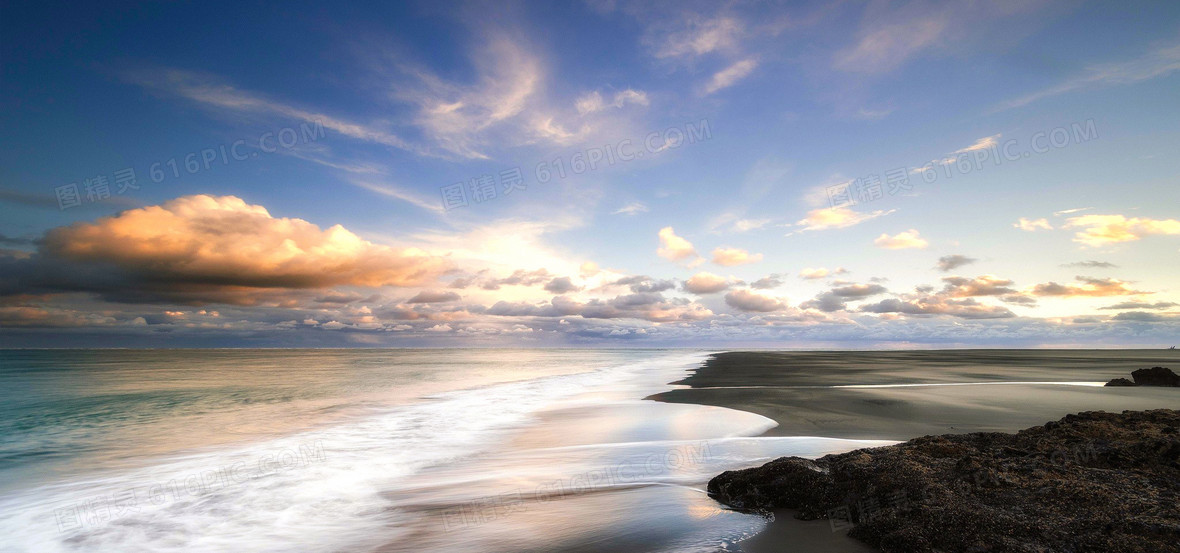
<point x="633" y="208"/>
<point x="730" y="75"/>
<point x="213" y="92"/>
<point x="593" y="102"/>
<point x="1157" y="63"/>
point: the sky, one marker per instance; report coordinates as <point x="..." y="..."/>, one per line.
<point x="844" y="175"/>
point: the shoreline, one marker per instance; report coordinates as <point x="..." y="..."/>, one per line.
<point x="805" y="394"/>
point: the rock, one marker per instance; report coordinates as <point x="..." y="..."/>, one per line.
<point x="1088" y="483"/>
<point x="1121" y="382"/>
<point x="1156" y="376"/>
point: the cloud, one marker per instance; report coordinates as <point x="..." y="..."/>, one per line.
<point x="886" y="44"/>
<point x="561" y="285"/>
<point x="837" y="217"/>
<point x="1141" y="305"/>
<point x="837" y="298"/>
<point x="984" y="143"/>
<point x="744" y="225"/>
<point x="1101" y="230"/>
<point x="1157" y="63"/>
<point x="900" y="241"/>
<point x="730" y="75"/>
<point x="812" y="274"/>
<point x="706" y="283"/>
<point x="1019" y="299"/>
<point x="519" y="277"/>
<point x="695" y="35"/>
<point x="632" y="208"/>
<point x="593" y="102"/>
<point x="11" y="241"/>
<point x="1093" y="287"/>
<point x="1092" y="265"/>
<point x="646" y="306"/>
<point x="747" y="300"/>
<point x="826" y="302"/>
<point x="673" y="247"/>
<point x="1143" y="317"/>
<point x="728" y="257"/>
<point x="397" y="193"/>
<point x="984" y="285"/>
<point x="1031" y="225"/>
<point x="951" y="262"/>
<point x="213" y="92"/>
<point x="641" y="283"/>
<point x="858" y="290"/>
<point x="933" y="305"/>
<point x="768" y="282"/>
<point x="221" y="241"/>
<point x="462" y="118"/>
<point x="434" y="296"/>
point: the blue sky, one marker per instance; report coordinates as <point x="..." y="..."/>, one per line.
<point x="850" y="175"/>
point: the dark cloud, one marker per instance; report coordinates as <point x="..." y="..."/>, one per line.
<point x="1091" y="265"/>
<point x="1019" y="299"/>
<point x="30" y="200"/>
<point x="1143" y="317"/>
<point x="561" y="285"/>
<point x="826" y="302"/>
<point x="1141" y="305"/>
<point x="858" y="290"/>
<point x="951" y="262"/>
<point x="1093" y="287"/>
<point x="767" y="282"/>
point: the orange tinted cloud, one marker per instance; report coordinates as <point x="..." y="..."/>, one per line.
<point x="223" y="241"/>
<point x="1110" y="229"/>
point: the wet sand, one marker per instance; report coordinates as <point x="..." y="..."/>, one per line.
<point x="900" y="395"/>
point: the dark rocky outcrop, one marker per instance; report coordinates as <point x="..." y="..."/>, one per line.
<point x="1155" y="376"/>
<point x="1089" y="483"/>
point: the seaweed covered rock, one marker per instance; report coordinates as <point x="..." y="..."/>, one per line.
<point x="1089" y="483"/>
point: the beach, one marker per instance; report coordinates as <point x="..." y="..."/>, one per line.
<point x="907" y="394"/>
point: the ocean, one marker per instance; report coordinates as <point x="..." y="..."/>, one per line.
<point x="367" y="450"/>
